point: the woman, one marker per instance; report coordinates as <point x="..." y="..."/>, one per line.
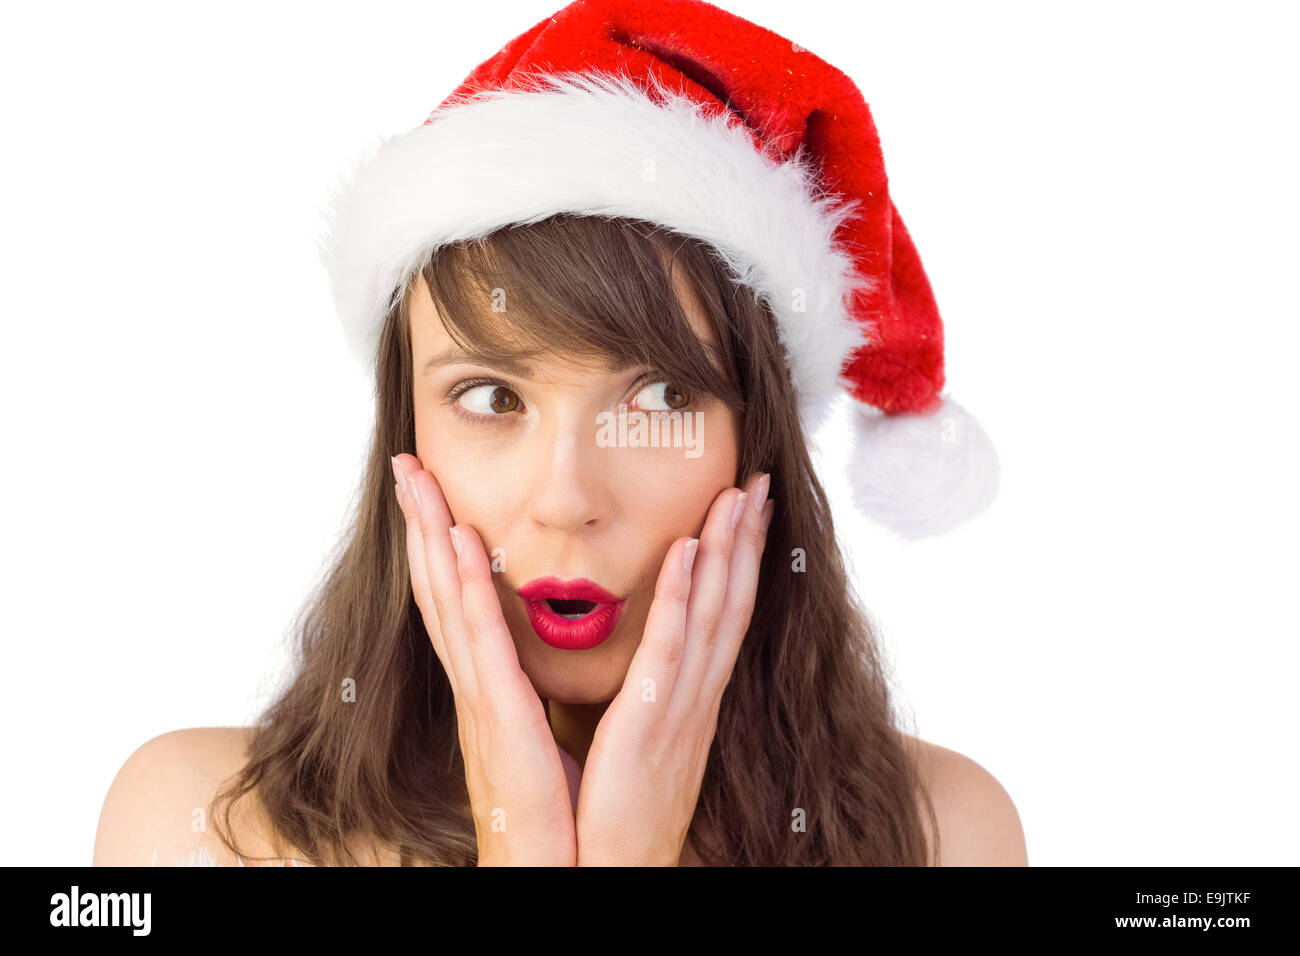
<point x="558" y="633"/>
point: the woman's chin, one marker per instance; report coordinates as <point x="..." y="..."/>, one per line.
<point x="592" y="676"/>
<point x="574" y="690"/>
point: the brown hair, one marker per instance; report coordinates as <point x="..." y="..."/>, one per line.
<point x="806" y="722"/>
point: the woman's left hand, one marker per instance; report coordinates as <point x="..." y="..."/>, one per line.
<point x="647" y="759"/>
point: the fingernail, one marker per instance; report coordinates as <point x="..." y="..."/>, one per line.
<point x="688" y="554"/>
<point x="401" y="483"/>
<point x="767" y="514"/>
<point x="738" y="509"/>
<point x="414" y="492"/>
<point x="760" y="492"/>
<point x="455" y="540"/>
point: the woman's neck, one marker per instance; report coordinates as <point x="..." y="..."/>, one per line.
<point x="574" y="725"/>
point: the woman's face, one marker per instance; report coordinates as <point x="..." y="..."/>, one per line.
<point x="525" y="461"/>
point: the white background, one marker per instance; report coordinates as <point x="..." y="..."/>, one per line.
<point x="1104" y="198"/>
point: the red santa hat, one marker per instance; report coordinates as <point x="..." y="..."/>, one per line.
<point x="679" y="113"/>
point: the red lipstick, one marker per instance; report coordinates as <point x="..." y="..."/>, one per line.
<point x="571" y="615"/>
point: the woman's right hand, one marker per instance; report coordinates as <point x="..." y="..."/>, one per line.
<point x="518" y="791"/>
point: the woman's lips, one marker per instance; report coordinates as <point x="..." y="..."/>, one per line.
<point x="576" y="633"/>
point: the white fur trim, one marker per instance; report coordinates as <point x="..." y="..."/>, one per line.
<point x="596" y="144"/>
<point x="921" y="474"/>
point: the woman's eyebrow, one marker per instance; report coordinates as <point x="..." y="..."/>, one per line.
<point x="453" y="355"/>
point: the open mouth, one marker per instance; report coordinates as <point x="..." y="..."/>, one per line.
<point x="571" y="615"/>
<point x="571" y="610"/>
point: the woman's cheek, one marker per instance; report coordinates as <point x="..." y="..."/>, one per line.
<point x="673" y="490"/>
<point x="467" y="480"/>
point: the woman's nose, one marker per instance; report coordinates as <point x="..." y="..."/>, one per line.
<point x="567" y="479"/>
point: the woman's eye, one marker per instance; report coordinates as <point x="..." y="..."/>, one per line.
<point x="488" y="400"/>
<point x="668" y="395"/>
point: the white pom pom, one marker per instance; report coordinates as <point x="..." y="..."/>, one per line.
<point x="921" y="474"/>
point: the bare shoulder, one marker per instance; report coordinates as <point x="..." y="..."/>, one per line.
<point x="156" y="810"/>
<point x="978" y="822"/>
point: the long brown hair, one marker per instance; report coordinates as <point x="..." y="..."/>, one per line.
<point x="806" y="730"/>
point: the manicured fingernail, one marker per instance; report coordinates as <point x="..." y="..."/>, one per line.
<point x="414" y="492"/>
<point x="738" y="509"/>
<point x="760" y="492"/>
<point x="397" y="472"/>
<point x="688" y="554"/>
<point x="455" y="540"/>
<point x="767" y="514"/>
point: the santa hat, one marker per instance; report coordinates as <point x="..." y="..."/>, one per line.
<point x="679" y="113"/>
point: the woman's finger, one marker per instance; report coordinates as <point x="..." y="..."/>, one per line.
<point x="415" y="561"/>
<point x="653" y="672"/>
<point x="433" y="572"/>
<point x="742" y="585"/>
<point x="486" y="632"/>
<point x="708" y="588"/>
